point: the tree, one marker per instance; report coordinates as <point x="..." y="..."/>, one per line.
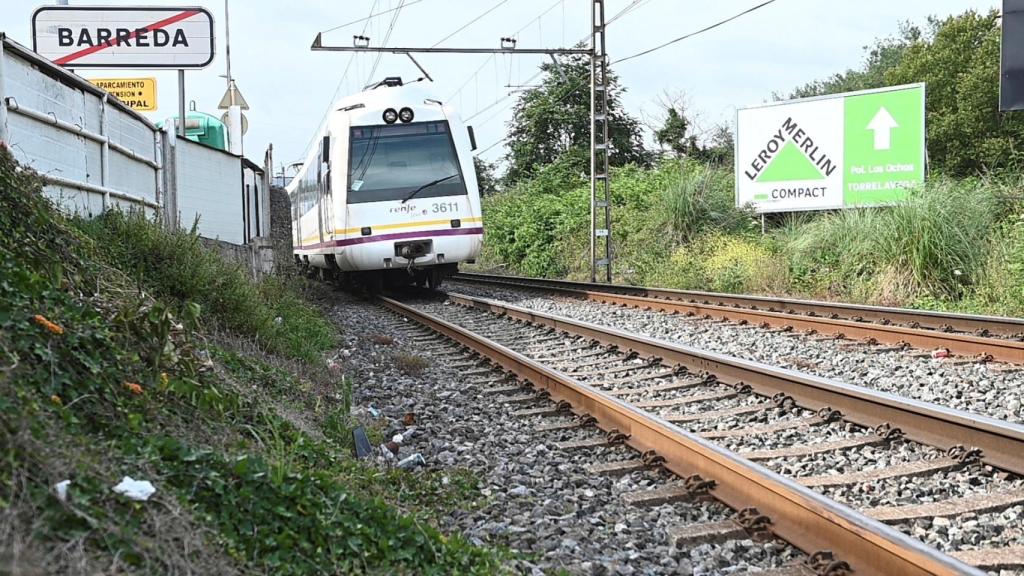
<point x="673" y="133"/>
<point x="958" y="60"/>
<point x="485" y="178"/>
<point x="681" y="135"/>
<point x="885" y="55"/>
<point x="719" y="148"/>
<point x="554" y="118"/>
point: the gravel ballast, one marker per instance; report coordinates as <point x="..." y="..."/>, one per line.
<point x="539" y="500"/>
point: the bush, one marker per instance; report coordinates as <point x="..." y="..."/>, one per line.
<point x="722" y="263"/>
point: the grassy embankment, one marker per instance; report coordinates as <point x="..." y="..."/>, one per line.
<point x="125" y="350"/>
<point x="955" y="244"/>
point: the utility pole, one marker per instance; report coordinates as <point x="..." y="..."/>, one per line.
<point x="227" y="41"/>
<point x="600" y="190"/>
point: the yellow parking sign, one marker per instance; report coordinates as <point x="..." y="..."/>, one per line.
<point x="138" y="93"/>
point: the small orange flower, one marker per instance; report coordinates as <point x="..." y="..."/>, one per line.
<point x="56" y="400"/>
<point x="133" y="387"/>
<point x="42" y="321"/>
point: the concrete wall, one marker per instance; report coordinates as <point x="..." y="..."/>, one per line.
<point x="209" y="186"/>
<point x="281" y="229"/>
<point x="91" y="148"/>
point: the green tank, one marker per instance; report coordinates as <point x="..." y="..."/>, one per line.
<point x="205" y="129"/>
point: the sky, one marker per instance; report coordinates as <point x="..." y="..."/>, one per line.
<point x="289" y="87"/>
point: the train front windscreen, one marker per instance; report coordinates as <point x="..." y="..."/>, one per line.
<point x="399" y="161"/>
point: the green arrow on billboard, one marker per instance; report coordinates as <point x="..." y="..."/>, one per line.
<point x="883" y="145"/>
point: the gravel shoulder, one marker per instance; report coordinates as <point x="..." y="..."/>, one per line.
<point x="974" y="387"/>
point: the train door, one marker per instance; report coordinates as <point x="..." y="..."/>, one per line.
<point x="319" y="193"/>
<point x="326" y="204"/>
<point x="297" y="215"/>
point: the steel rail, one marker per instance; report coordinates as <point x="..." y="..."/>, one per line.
<point x="1001" y="442"/>
<point x="868" y="314"/>
<point x="1003" y="350"/>
<point x="799" y="516"/>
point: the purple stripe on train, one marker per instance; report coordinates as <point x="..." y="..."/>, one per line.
<point x="395" y="236"/>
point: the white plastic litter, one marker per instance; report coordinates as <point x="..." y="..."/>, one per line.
<point x="139" y="490"/>
<point x="412" y="461"/>
<point x="61" y="490"/>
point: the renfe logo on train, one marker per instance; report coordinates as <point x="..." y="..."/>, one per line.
<point x="124" y="37"/>
<point x="854" y="149"/>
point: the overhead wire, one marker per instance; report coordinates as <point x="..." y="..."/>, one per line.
<point x="692" y="34"/>
<point x="630" y="7"/>
<point x="650" y="50"/>
<point x="344" y="74"/>
<point x="387" y="38"/>
<point x="370" y="17"/>
<point x="470" y="23"/>
<point x="514" y="35"/>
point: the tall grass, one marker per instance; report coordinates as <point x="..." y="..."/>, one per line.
<point x="701" y="198"/>
<point x="934" y="244"/>
<point x="175" y="265"/>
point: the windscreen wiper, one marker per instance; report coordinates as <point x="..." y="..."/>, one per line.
<point x="428" y="185"/>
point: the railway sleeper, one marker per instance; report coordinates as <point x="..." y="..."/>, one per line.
<point x="527" y="398"/>
<point x="598" y="362"/>
<point x="1009" y="558"/>
<point x="580" y="421"/>
<point x="882" y="434"/>
<point x="950" y="507"/>
<point x="647" y="461"/>
<point x="693" y="488"/>
<point x="723" y="413"/>
<point x="560" y="409"/>
<point x="501" y="390"/>
<point x="747" y="523"/>
<point x="615" y="370"/>
<point x="957" y="457"/>
<point x="611" y="438"/>
<point x="797" y="423"/>
<point x="738" y="389"/>
<point x="666" y="387"/>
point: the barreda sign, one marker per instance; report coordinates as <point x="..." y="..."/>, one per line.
<point x="124" y="37"/>
<point x="854" y="149"/>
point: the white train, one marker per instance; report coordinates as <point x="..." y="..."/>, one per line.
<point x="388" y="194"/>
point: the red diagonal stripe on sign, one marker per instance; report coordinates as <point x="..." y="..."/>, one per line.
<point x="110" y="43"/>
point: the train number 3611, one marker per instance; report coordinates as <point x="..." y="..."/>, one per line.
<point x="443" y="207"/>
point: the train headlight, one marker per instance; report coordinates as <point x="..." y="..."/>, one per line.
<point x="390" y="116"/>
<point x="405" y="115"/>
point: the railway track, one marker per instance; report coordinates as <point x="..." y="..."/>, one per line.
<point x="973" y="338"/>
<point x="757" y="439"/>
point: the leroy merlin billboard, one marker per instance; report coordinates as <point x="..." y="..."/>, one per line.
<point x="854" y="149"/>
